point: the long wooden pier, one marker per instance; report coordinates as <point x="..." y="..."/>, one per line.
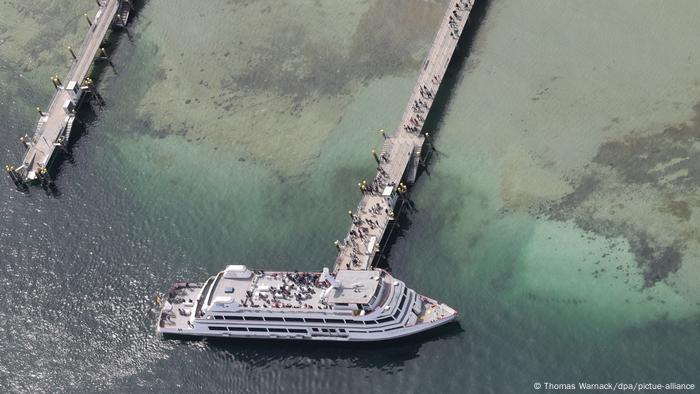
<point x="55" y="124"/>
<point x="400" y="157"/>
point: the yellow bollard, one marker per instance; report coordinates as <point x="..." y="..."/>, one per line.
<point x="38" y="109"/>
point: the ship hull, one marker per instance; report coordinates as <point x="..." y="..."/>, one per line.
<point x="352" y="337"/>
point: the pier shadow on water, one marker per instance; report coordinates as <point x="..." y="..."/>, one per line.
<point x="444" y="95"/>
<point x="400" y="226"/>
<point x="85" y="116"/>
<point x="433" y="121"/>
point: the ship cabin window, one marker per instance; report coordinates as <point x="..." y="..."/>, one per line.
<point x="295" y="319"/>
<point x="228" y="290"/>
<point x="314" y="329"/>
<point x="233" y="317"/>
<point x="257" y="329"/>
<point x="259" y="318"/>
<point x="273" y="319"/>
<point x="341" y="304"/>
<point x="277" y="329"/>
<point x="334" y="320"/>
<point x="324" y="329"/>
<point x="297" y="331"/>
<point x="353" y="322"/>
<point x="314" y="320"/>
<point x="237" y="329"/>
<point x="217" y="328"/>
<point x="403" y="300"/>
<point x="218" y="317"/>
<point x="397" y="313"/>
<point x="384" y="320"/>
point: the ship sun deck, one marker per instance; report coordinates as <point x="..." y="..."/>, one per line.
<point x="295" y="290"/>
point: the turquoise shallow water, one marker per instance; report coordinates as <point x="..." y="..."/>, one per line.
<point x="203" y="158"/>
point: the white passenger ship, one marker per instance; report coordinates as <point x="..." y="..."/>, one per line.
<point x="347" y="306"/>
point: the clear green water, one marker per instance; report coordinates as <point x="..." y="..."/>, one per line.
<point x="236" y="131"/>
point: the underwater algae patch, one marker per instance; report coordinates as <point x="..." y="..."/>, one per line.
<point x="644" y="188"/>
<point x="36" y="33"/>
<point x="669" y="159"/>
<point x="277" y="93"/>
<point x="297" y="64"/>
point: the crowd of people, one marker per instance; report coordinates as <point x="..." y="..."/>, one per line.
<point x="460" y="6"/>
<point x="294" y="289"/>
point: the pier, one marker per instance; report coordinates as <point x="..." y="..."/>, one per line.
<point x="55" y="124"/>
<point x="375" y="216"/>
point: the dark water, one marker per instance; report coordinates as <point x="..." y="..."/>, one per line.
<point x="185" y="171"/>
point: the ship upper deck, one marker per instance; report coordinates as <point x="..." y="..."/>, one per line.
<point x="295" y="290"/>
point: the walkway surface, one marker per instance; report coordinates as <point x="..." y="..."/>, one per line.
<point x="398" y="162"/>
<point x="55" y="123"/>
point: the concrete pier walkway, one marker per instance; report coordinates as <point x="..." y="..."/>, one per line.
<point x="55" y="124"/>
<point x="400" y="157"/>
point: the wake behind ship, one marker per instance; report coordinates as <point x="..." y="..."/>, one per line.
<point x="348" y="306"/>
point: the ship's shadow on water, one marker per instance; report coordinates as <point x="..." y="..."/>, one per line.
<point x="376" y="355"/>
